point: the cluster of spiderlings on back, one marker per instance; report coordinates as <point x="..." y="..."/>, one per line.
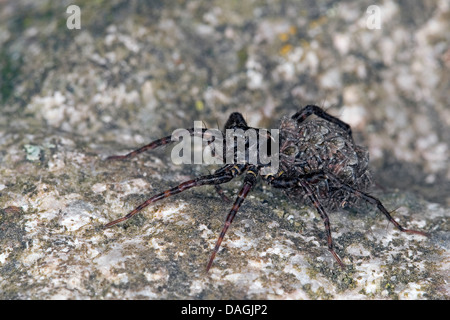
<point x="319" y="145"/>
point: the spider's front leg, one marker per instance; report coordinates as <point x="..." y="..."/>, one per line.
<point x="157" y="143"/>
<point x="249" y="181"/>
<point x="152" y="145"/>
<point x="235" y="120"/>
<point x="224" y="175"/>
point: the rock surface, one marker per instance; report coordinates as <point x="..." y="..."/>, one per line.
<point x="134" y="72"/>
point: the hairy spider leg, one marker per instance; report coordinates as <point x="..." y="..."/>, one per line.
<point x="373" y="201"/>
<point x="213" y="179"/>
<point x="155" y="144"/>
<point x="293" y="182"/>
<point x="249" y="181"/>
<point x="222" y="175"/>
<point x="152" y="145"/>
<point x="221" y="193"/>
<point x="326" y="221"/>
<point x="235" y="120"/>
<point x="319" y="112"/>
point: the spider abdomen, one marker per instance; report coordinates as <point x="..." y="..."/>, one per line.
<point x="318" y="146"/>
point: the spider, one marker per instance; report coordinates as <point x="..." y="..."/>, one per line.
<point x="319" y="164"/>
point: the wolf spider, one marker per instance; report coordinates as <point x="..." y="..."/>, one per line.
<point x="319" y="164"/>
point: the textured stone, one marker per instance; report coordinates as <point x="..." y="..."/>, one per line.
<point x="136" y="71"/>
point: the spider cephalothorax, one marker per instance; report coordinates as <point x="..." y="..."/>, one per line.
<point x="317" y="161"/>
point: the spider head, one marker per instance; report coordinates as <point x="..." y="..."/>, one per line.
<point x="236" y="120"/>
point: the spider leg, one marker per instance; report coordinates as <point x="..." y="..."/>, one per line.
<point x="213" y="179"/>
<point x="218" y="188"/>
<point x="249" y="181"/>
<point x="220" y="192"/>
<point x="152" y="145"/>
<point x="311" y="109"/>
<point x="373" y="201"/>
<point x="155" y="144"/>
<point x="235" y="120"/>
<point x="293" y="182"/>
<point x="324" y="217"/>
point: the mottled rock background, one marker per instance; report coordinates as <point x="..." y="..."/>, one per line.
<point x="137" y="70"/>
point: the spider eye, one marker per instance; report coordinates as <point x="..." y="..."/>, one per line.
<point x="289" y="151"/>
